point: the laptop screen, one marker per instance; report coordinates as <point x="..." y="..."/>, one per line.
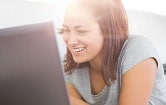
<point x="30" y="67"/>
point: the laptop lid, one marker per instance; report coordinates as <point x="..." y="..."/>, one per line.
<point x="30" y="67"/>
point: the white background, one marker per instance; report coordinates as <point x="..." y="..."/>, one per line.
<point x="157" y="6"/>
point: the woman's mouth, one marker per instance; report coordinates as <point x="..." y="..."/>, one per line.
<point x="79" y="49"/>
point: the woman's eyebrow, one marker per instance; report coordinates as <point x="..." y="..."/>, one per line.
<point x="77" y="27"/>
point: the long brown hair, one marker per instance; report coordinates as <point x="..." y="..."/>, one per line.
<point x="112" y="20"/>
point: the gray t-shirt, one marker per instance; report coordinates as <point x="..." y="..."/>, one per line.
<point x="135" y="50"/>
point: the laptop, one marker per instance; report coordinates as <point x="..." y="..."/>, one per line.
<point x="31" y="72"/>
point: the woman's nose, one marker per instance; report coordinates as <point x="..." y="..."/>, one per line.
<point x="73" y="39"/>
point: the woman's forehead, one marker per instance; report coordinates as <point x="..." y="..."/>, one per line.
<point x="75" y="19"/>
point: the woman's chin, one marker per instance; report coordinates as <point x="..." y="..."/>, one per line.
<point x="79" y="61"/>
<point x="76" y="61"/>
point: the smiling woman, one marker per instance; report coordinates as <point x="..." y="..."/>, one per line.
<point x="105" y="65"/>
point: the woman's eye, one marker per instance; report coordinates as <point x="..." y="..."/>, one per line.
<point x="63" y="31"/>
<point x="82" y="31"/>
<point x="60" y="31"/>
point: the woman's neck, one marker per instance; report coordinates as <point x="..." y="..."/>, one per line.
<point x="95" y="66"/>
<point x="96" y="77"/>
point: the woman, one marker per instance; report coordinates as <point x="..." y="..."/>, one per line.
<point x="105" y="66"/>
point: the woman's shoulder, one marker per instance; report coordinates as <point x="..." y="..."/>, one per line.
<point x="137" y="40"/>
<point x="136" y="49"/>
<point x="138" y="43"/>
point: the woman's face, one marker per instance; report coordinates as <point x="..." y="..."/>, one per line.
<point x="82" y="34"/>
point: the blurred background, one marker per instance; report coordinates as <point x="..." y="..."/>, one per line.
<point x="146" y="17"/>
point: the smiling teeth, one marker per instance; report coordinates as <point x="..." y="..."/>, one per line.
<point x="78" y="49"/>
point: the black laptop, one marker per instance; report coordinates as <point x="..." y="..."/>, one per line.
<point x="30" y="67"/>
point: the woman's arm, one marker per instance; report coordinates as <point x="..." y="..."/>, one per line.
<point x="137" y="83"/>
<point x="74" y="96"/>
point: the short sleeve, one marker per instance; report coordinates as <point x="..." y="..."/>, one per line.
<point x="135" y="50"/>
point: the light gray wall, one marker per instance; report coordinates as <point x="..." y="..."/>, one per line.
<point x="15" y="12"/>
<point x="152" y="26"/>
